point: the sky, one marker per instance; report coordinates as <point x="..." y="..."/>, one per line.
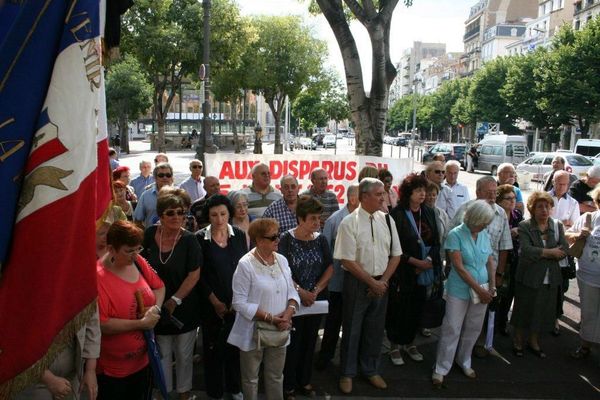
<point x="439" y="21"/>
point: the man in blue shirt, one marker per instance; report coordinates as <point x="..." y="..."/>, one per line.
<point x="145" y="179"/>
<point x="145" y="212"/>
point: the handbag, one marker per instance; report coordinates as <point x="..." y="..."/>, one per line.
<point x="567" y="264"/>
<point x="267" y="334"/>
<point x="434" y="307"/>
<point x="426" y="277"/>
<point x="576" y="249"/>
<point x="474" y="296"/>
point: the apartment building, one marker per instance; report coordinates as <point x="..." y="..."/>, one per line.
<point x="410" y="65"/>
<point x="584" y="10"/>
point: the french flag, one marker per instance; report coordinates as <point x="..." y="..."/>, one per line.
<point x="54" y="176"/>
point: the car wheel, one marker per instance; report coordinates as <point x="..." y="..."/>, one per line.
<point x="494" y="171"/>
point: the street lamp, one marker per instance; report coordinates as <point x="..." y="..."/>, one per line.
<point x="414" y="119"/>
<point x="205" y="144"/>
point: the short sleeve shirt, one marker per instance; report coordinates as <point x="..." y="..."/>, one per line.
<point x="124" y="353"/>
<point x="365" y="239"/>
<point x="474" y="257"/>
<point x="579" y="191"/>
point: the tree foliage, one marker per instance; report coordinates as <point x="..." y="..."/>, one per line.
<point x="166" y="37"/>
<point x="285" y="57"/>
<point x="128" y="95"/>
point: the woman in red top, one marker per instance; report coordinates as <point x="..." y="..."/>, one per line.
<point x="123" y="368"/>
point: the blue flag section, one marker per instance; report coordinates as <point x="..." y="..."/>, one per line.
<point x="28" y="49"/>
<point x="33" y="33"/>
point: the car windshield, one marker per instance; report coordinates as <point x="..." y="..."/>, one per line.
<point x="578" y="161"/>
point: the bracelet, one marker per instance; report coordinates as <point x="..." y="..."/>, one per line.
<point x="297" y="287"/>
<point x="266" y="317"/>
<point x="157" y="308"/>
<point x="293" y="307"/>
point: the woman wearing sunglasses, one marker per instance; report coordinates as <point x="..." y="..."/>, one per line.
<point x="123" y="367"/>
<point x="176" y="256"/>
<point x="263" y="290"/>
<point x="312" y="266"/>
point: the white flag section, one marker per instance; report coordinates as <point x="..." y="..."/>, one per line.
<point x="68" y="127"/>
<point x="233" y="170"/>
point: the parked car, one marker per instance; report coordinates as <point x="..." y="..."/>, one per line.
<point x="541" y="163"/>
<point x="318" y="138"/>
<point x="497" y="149"/>
<point x="587" y="147"/>
<point x="305" y="143"/>
<point x="451" y="151"/>
<point x="329" y="141"/>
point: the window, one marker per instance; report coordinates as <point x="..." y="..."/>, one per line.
<point x="548" y="160"/>
<point x="486" y="150"/>
<point x="578" y="161"/>
<point x="497" y="150"/>
<point x="509" y="150"/>
<point x="537" y="160"/>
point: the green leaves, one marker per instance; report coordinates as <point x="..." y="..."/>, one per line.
<point x="127" y="90"/>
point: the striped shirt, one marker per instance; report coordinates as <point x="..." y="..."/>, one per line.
<point x="257" y="202"/>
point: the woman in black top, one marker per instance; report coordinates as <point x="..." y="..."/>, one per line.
<point x="176" y="256"/>
<point x="311" y="263"/>
<point x="419" y="238"/>
<point x="222" y="246"/>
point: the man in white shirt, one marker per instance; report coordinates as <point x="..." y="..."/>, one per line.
<point x="566" y="210"/>
<point x="368" y="246"/>
<point x="453" y="194"/>
<point x="194" y="185"/>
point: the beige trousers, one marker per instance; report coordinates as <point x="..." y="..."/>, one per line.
<point x="274" y="360"/>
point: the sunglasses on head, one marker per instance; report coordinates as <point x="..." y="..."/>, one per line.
<point x="272" y="238"/>
<point x="164" y="175"/>
<point x="171" y="213"/>
<point x="196" y="166"/>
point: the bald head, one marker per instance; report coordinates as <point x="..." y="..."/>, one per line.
<point x="560" y="182"/>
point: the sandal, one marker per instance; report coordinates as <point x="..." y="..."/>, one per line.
<point x="538" y="352"/>
<point x="518" y="351"/>
<point x="289" y="394"/>
<point x="580" y="353"/>
<point x="307" y="391"/>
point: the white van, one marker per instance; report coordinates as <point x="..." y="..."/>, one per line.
<point x="587" y="147"/>
<point x="497" y="149"/>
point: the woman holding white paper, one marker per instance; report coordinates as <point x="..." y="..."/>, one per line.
<point x="469" y="289"/>
<point x="310" y="260"/>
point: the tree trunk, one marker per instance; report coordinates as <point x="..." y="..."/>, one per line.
<point x="368" y="113"/>
<point x="236" y="141"/>
<point x="123" y="133"/>
<point x="276" y="104"/>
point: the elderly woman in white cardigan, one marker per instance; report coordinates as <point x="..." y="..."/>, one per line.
<point x="263" y="290"/>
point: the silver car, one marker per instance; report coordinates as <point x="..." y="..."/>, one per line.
<point x="541" y="163"/>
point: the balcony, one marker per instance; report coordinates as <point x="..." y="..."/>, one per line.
<point x="473" y="32"/>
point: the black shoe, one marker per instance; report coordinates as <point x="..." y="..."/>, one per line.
<point x="518" y="351"/>
<point x="556" y="331"/>
<point x="538" y="352"/>
<point x="306" y="391"/>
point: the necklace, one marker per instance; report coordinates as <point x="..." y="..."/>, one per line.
<point x="261" y="259"/>
<point x="160" y="246"/>
<point x="222" y="242"/>
<point x="266" y="267"/>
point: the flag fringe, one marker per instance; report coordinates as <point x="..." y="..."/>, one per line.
<point x="63" y="338"/>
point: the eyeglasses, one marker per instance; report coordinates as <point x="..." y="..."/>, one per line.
<point x="439" y="171"/>
<point x="509" y="198"/>
<point x="196" y="166"/>
<point x="172" y="213"/>
<point x="272" y="238"/>
<point x="164" y="175"/>
<point x="241" y="206"/>
<point x="134" y="251"/>
<point x="265" y="173"/>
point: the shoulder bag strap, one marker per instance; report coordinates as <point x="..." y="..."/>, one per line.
<point x="389" y="224"/>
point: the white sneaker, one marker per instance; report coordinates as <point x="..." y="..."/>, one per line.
<point x="414" y="353"/>
<point x="437" y="379"/>
<point x="396" y="357"/>
<point x="469" y="373"/>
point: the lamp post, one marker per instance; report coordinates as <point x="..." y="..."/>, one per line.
<point x="205" y="144"/>
<point x="414" y="118"/>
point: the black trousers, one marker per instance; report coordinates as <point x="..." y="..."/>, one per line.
<point x="333" y="323"/>
<point x="221" y="360"/>
<point x="136" y="386"/>
<point x="300" y="352"/>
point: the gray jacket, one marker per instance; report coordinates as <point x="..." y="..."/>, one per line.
<point x="532" y="267"/>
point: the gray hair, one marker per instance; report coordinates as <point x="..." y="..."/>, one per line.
<point x="560" y="159"/>
<point x="235" y="196"/>
<point x="452" y="163"/>
<point x="257" y="166"/>
<point x="368" y="184"/>
<point x="162" y="165"/>
<point x="319" y="169"/>
<point x="288" y="176"/>
<point x="504" y="166"/>
<point x="144" y="162"/>
<point x="560" y="173"/>
<point x="484" y="180"/>
<point x="478" y="213"/>
<point x="352" y="190"/>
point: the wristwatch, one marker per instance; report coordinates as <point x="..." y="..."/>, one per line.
<point x="177" y="300"/>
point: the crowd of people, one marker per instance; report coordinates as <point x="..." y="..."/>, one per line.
<point x="259" y="272"/>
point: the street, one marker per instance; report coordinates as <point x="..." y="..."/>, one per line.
<point x="501" y="375"/>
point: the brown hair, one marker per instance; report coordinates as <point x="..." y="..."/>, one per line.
<point x="368" y="171"/>
<point x="172" y="197"/>
<point x="431" y="187"/>
<point x="124" y="233"/>
<point x="408" y="186"/>
<point x="308" y="205"/>
<point x="537" y="197"/>
<point x="503" y="190"/>
<point x="259" y="227"/>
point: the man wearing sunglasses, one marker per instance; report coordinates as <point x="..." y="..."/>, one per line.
<point x="145" y="213"/>
<point x="194" y="185"/>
